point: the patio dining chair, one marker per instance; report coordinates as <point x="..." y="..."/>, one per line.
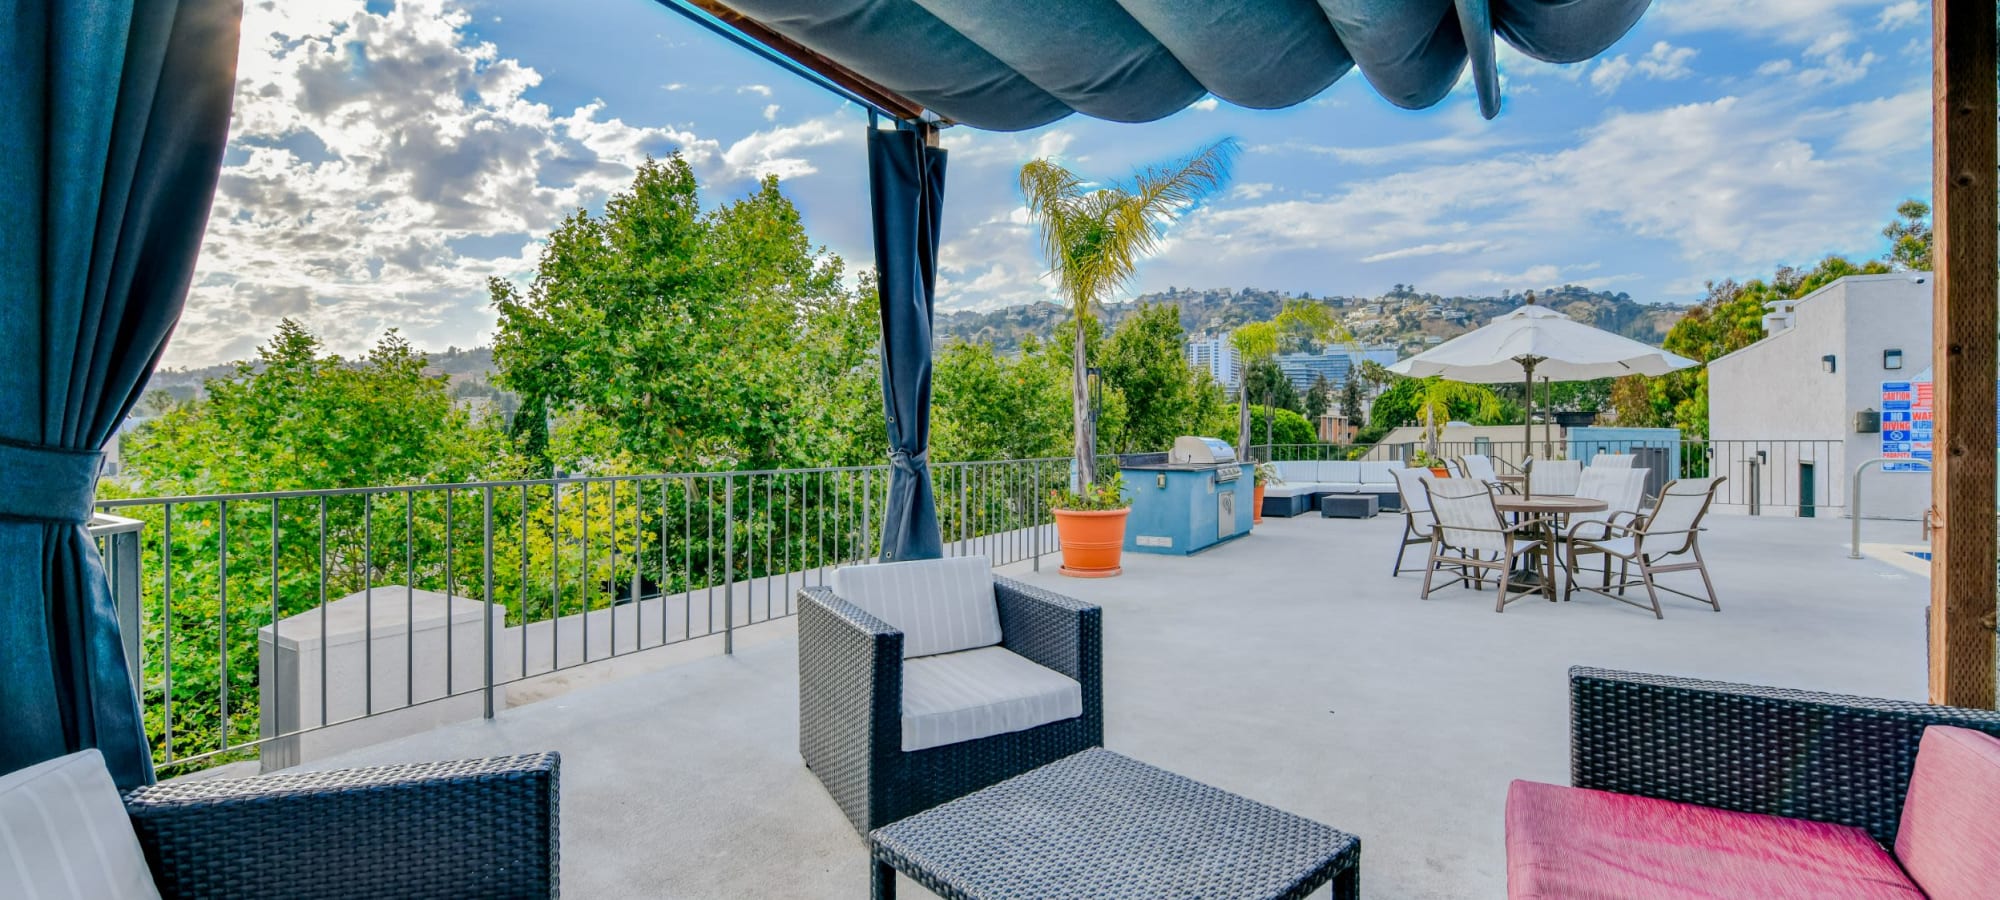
<point x="1417" y="519"/>
<point x="1471" y="536"/>
<point x="1479" y="467"/>
<point x="1554" y="477"/>
<point x="1614" y="461"/>
<point x="1622" y="490"/>
<point x="1672" y="529"/>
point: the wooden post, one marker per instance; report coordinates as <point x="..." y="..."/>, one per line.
<point x="1964" y="298"/>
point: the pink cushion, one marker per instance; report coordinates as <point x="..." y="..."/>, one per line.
<point x="1950" y="838"/>
<point x="1576" y="844"/>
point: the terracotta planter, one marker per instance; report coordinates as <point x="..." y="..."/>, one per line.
<point x="1092" y="541"/>
<point x="1441" y="471"/>
<point x="1257" y="506"/>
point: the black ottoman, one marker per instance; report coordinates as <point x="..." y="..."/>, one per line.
<point x="1347" y="506"/>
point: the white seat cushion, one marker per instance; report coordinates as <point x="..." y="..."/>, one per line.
<point x="1293" y="489"/>
<point x="940" y="605"/>
<point x="973" y="694"/>
<point x="64" y="834"/>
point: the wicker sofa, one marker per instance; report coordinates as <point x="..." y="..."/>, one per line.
<point x="851" y="703"/>
<point x="469" y="828"/>
<point x="1668" y="766"/>
<point x="1301" y="483"/>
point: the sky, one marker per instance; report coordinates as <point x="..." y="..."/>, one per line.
<point x="387" y="157"/>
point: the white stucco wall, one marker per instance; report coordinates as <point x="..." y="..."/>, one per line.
<point x="1776" y="397"/>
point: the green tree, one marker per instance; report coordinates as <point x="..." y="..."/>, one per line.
<point x="1909" y="236"/>
<point x="1350" y="400"/>
<point x="1407" y="399"/>
<point x="293" y="418"/>
<point x="703" y="340"/>
<point x="986" y="406"/>
<point x="1319" y="398"/>
<point x="1283" y="425"/>
<point x="1144" y="363"/>
<point x="1093" y="236"/>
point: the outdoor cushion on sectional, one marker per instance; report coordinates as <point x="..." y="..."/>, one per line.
<point x="953" y="697"/>
<point x="1950" y="836"/>
<point x="1566" y="843"/>
<point x="1299" y="471"/>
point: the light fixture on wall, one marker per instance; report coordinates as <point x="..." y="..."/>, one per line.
<point x="1826" y="363"/>
<point x="1892" y="359"/>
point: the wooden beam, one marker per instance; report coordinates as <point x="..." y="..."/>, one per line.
<point x="1965" y="295"/>
<point x="887" y="100"/>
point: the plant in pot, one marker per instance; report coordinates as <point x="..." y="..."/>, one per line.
<point x="1090" y="525"/>
<point x="1266" y="473"/>
<point x="1093" y="235"/>
<point x="1422" y="459"/>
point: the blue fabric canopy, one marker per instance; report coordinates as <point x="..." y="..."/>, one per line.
<point x="113" y="121"/>
<point x="1007" y="66"/>
<point x="906" y="196"/>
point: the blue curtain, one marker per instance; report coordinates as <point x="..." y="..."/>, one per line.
<point x="906" y="194"/>
<point x="113" y="121"/>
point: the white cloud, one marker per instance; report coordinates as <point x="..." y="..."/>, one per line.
<point x="1251" y="190"/>
<point x="1775" y="67"/>
<point x="1830" y="64"/>
<point x="1205" y="104"/>
<point x="771" y="112"/>
<point x="1438" y="249"/>
<point x="1662" y="62"/>
<point x="1901" y="14"/>
<point x="1738" y="184"/>
<point x="384" y="165"/>
<point x="1788" y="21"/>
<point x="761" y="90"/>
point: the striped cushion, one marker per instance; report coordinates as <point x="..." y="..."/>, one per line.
<point x="957" y="697"/>
<point x="1950" y="838"/>
<point x="940" y="605"/>
<point x="64" y="834"/>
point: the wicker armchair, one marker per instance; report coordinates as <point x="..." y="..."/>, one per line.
<point x="1780" y="752"/>
<point x="850" y="704"/>
<point x="471" y="828"/>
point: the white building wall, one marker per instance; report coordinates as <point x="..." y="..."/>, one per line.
<point x="1774" y="403"/>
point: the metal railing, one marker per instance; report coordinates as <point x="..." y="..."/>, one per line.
<point x="1791" y="477"/>
<point x="261" y="619"/>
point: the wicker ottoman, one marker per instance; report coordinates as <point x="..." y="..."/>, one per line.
<point x="1348" y="506"/>
<point x="1100" y="825"/>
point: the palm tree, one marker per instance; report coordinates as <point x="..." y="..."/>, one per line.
<point x="1094" y="236"/>
<point x="1300" y="323"/>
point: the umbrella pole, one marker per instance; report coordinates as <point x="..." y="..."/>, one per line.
<point x="1527" y="424"/>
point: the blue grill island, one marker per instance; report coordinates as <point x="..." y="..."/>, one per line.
<point x="1187" y="500"/>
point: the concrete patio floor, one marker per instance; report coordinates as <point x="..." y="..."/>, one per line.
<point x="1287" y="666"/>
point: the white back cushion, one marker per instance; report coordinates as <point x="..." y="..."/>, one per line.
<point x="940" y="605"/>
<point x="64" y="835"/>
<point x="1296" y="471"/>
<point x="1376" y="472"/>
<point x="1340" y="471"/>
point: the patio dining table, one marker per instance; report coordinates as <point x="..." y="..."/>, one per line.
<point x="1553" y="511"/>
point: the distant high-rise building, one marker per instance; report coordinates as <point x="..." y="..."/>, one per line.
<point x="1215" y="356"/>
<point x="1336" y="363"/>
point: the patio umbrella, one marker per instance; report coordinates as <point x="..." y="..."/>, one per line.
<point x="1536" y="340"/>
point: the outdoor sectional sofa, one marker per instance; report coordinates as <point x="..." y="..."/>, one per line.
<point x="1686" y="788"/>
<point x="1301" y="483"/>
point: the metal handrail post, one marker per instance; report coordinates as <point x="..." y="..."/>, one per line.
<point x="1854" y="514"/>
<point x="486" y="570"/>
<point x="729" y="563"/>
